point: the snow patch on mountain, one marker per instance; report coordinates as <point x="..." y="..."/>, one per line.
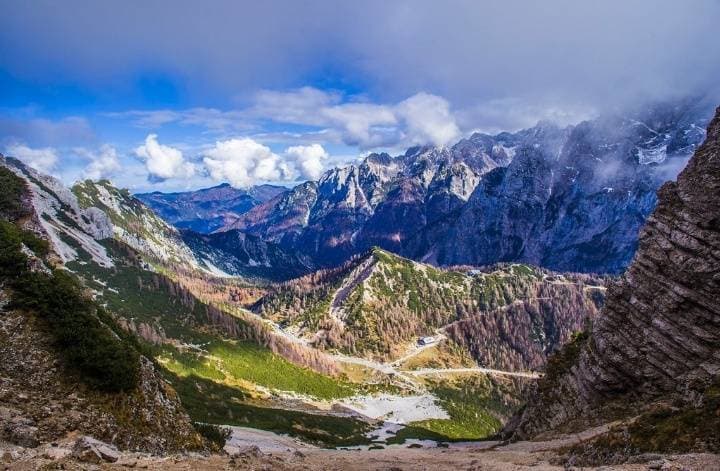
<point x="397" y="409"/>
<point x="654" y="155"/>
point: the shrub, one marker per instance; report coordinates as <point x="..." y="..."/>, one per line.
<point x="12" y="260"/>
<point x="104" y="360"/>
<point x="11" y="207"/>
<point x="39" y="247"/>
<point x="215" y="435"/>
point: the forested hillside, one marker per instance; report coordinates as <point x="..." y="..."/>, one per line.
<point x="508" y="316"/>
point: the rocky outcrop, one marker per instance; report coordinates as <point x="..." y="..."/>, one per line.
<point x="134" y="223"/>
<point x="54" y="213"/>
<point x="658" y="336"/>
<point x="64" y="368"/>
<point x="42" y="402"/>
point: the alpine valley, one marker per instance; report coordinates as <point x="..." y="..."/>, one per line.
<point x="527" y="289"/>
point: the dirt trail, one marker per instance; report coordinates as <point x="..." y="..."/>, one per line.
<point x="444" y="371"/>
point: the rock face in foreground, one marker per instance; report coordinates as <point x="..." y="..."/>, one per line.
<point x="40" y="402"/>
<point x="54" y="380"/>
<point x="658" y="337"/>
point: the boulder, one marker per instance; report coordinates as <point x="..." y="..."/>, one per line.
<point x="56" y="453"/>
<point x="244" y="451"/>
<point x="89" y="450"/>
<point x="21" y="431"/>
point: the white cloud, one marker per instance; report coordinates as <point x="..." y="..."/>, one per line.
<point x="43" y="159"/>
<point x="428" y="119"/>
<point x="308" y="159"/>
<point x="164" y="161"/>
<point x="421" y="119"/>
<point x="296" y="106"/>
<point x="103" y="164"/>
<point x="514" y="113"/>
<point x="243" y="162"/>
<point x="327" y="116"/>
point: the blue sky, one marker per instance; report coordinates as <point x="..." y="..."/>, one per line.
<point x="178" y="95"/>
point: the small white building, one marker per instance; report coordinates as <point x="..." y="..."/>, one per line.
<point x="426" y="340"/>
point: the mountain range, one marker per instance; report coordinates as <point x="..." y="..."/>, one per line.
<point x="123" y="299"/>
<point x="569" y="199"/>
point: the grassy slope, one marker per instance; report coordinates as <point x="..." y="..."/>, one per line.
<point x="244" y="363"/>
<point x="212" y="402"/>
<point x="477" y="406"/>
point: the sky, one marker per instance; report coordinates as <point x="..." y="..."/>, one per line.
<point x="178" y="95"/>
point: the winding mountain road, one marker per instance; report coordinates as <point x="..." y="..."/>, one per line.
<point x="490" y="371"/>
<point x="410" y="377"/>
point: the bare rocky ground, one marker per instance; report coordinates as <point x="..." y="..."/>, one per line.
<point x="263" y="451"/>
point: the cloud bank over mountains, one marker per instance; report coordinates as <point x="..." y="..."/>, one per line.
<point x="164" y="162"/>
<point x="327" y="116"/>
<point x="348" y="77"/>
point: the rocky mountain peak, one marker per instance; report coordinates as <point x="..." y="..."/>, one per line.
<point x="382" y="158"/>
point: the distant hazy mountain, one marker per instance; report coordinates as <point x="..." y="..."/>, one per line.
<point x="206" y="210"/>
<point x="568" y="198"/>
